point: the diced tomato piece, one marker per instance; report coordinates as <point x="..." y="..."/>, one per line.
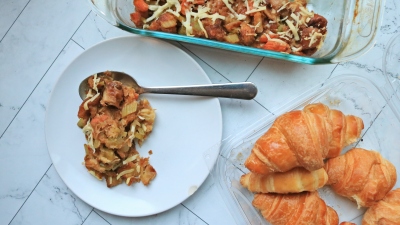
<point x="140" y="5"/>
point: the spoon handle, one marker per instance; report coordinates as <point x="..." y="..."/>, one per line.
<point x="243" y="90"/>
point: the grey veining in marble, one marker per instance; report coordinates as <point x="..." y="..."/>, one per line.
<point x="24" y="142"/>
<point x="31" y="46"/>
<point x="10" y="10"/>
<point x="52" y="200"/>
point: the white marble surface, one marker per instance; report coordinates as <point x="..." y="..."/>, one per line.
<point x="39" y="38"/>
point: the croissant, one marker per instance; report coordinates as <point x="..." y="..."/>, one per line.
<point x="347" y="223"/>
<point x="303" y="138"/>
<point x="301" y="208"/>
<point x="293" y="181"/>
<point x="386" y="211"/>
<point x="361" y="175"/>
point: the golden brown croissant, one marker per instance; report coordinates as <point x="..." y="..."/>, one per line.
<point x="303" y="138"/>
<point x="361" y="175"/>
<point x="296" y="209"/>
<point x="347" y="223"/>
<point x="293" y="181"/>
<point x="386" y="211"/>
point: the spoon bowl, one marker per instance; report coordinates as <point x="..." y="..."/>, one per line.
<point x="241" y="90"/>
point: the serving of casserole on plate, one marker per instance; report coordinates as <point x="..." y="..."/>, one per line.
<point x="181" y="134"/>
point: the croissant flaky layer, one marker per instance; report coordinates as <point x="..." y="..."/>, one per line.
<point x="293" y="181"/>
<point x="361" y="175"/>
<point x="296" y="209"/>
<point x="303" y="138"/>
<point x="386" y="211"/>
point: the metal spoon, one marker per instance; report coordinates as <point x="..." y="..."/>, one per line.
<point x="242" y="90"/>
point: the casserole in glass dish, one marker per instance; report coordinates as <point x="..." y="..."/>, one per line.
<point x="351" y="29"/>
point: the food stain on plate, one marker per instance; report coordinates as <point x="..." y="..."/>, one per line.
<point x="192" y="190"/>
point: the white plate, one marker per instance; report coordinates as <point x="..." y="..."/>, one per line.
<point x="186" y="127"/>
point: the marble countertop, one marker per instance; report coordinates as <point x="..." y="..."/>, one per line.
<point x="39" y="38"/>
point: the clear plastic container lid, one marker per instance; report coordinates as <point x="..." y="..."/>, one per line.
<point x="391" y="70"/>
<point x="352" y="94"/>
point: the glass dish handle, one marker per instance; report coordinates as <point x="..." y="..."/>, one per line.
<point x="104" y="9"/>
<point x="365" y="22"/>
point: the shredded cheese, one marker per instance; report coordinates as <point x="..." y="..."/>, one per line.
<point x="229" y="6"/>
<point x="277" y="40"/>
<point x="283" y="6"/>
<point x="153" y="7"/>
<point x="258" y="9"/>
<point x="161" y="9"/>
<point x="294" y="49"/>
<point x="202" y="27"/>
<point x="293" y="29"/>
<point x="132" y="130"/>
<point x="88" y="131"/>
<point x="314" y="38"/>
<point x="202" y="12"/>
<point x="130" y="159"/>
<point x="95" y="82"/>
<point x="305" y="11"/>
<point x="173" y="12"/>
<point x="296" y="18"/>
<point x="187" y="25"/>
<point x="124" y="172"/>
<point x="85" y="105"/>
<point x="89" y="94"/>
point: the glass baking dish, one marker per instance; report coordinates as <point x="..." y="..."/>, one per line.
<point x="352" y="94"/>
<point x="352" y="27"/>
